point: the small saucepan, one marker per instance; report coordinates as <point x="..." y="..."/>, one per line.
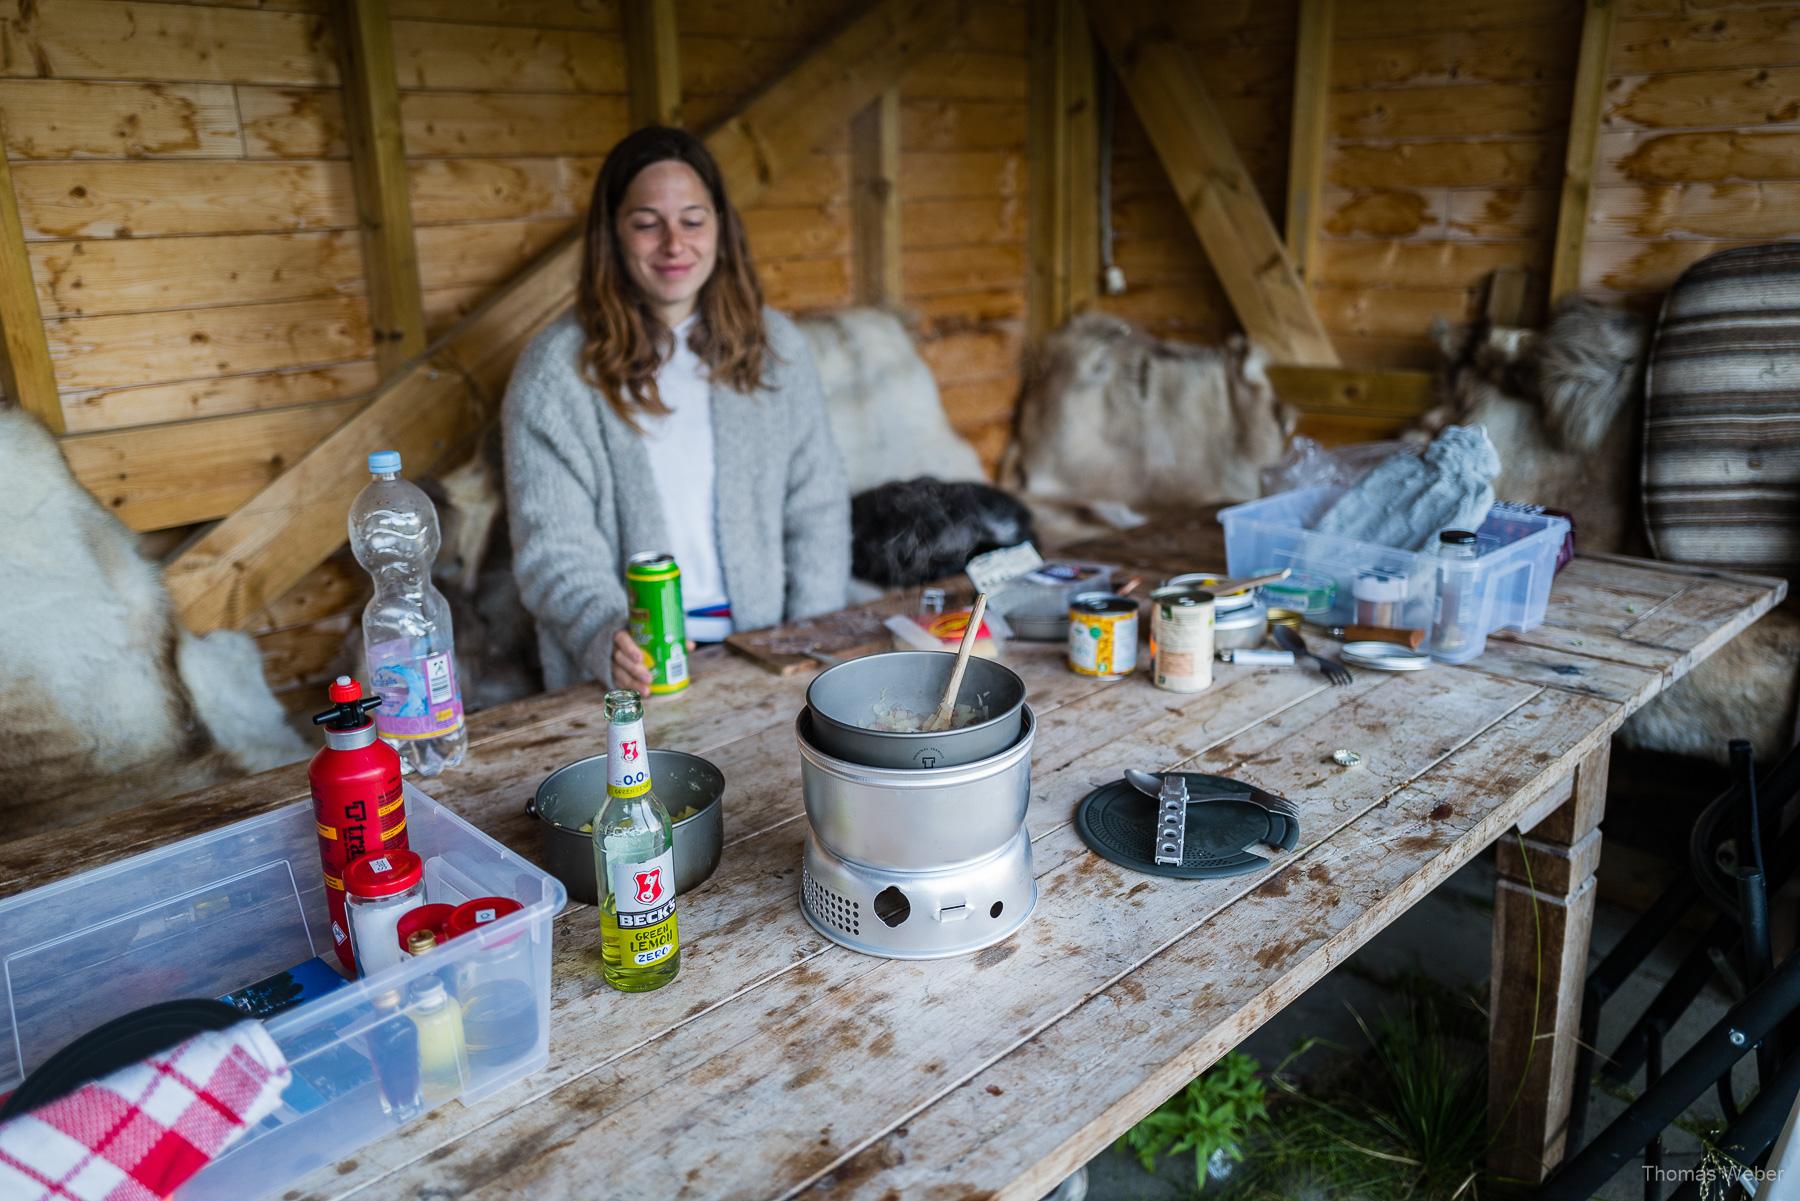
<point x="570" y="796"/>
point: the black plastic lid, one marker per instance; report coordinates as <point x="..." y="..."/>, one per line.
<point x="1457" y="537"/>
<point x="125" y="1040"/>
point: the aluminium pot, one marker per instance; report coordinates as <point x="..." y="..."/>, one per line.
<point x="913" y="819"/>
<point x="843" y="700"/>
<point x="571" y="795"/>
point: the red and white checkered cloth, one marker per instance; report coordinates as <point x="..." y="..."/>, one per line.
<point x="141" y="1132"/>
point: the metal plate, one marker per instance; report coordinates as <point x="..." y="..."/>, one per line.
<point x="1384" y="656"/>
<point x="1119" y="823"/>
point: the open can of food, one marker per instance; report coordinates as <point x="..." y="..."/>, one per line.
<point x="1103" y="634"/>
<point x="1181" y="638"/>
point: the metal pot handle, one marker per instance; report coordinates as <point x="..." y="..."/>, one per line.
<point x="531" y="809"/>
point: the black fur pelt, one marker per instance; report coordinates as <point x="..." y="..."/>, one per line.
<point x="913" y="531"/>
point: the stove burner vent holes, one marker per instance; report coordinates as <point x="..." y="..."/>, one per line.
<point x="832" y="908"/>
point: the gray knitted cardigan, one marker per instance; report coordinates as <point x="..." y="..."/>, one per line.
<point x="581" y="498"/>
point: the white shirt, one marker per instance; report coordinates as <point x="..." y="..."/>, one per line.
<point x="680" y="449"/>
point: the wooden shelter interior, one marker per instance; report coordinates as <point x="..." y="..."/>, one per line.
<point x="244" y="240"/>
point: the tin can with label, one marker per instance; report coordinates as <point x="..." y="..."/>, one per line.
<point x="1103" y="634"/>
<point x="658" y="621"/>
<point x="1181" y="638"/>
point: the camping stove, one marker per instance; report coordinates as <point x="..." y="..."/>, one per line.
<point x="917" y="863"/>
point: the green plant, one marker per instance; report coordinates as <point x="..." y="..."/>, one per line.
<point x="1216" y="1112"/>
<point x="1405" y="1121"/>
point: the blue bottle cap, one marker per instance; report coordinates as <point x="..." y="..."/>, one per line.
<point x="383" y="461"/>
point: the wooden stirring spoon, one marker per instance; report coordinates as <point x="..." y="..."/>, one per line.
<point x="946" y="709"/>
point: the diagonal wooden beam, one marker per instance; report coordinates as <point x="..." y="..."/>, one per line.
<point x="26" y="374"/>
<point x="378" y="166"/>
<point x="1584" y="140"/>
<point x="652" y="62"/>
<point x="1210" y="180"/>
<point x="1306" y="139"/>
<point x="294" y="524"/>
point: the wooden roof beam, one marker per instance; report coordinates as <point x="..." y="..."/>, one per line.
<point x="378" y="166"/>
<point x="284" y="531"/>
<point x="652" y="63"/>
<point x="875" y="200"/>
<point x="26" y="374"/>
<point x="1064" y="266"/>
<point x="1585" y="112"/>
<point x="1196" y="151"/>
<point x="1306" y="139"/>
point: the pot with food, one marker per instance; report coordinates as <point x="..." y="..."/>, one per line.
<point x="873" y="710"/>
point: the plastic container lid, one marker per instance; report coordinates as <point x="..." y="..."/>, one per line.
<point x="383" y="461"/>
<point x="480" y="912"/>
<point x="425" y="917"/>
<point x="1457" y="537"/>
<point x="1384" y="656"/>
<point x="384" y="874"/>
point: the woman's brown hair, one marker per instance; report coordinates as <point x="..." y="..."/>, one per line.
<point x="626" y="343"/>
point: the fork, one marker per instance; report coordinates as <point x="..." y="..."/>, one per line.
<point x="1289" y="639"/>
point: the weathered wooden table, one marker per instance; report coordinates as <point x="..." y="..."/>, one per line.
<point x="779" y="1064"/>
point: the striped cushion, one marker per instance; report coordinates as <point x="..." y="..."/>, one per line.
<point x="1722" y="414"/>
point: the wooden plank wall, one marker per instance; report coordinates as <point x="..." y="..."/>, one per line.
<point x="1700" y="141"/>
<point x="962" y="173"/>
<point x="1445" y="147"/>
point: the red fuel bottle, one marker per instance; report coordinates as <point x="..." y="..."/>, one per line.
<point x="358" y="803"/>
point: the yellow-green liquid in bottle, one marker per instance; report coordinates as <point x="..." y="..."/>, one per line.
<point x="634" y="860"/>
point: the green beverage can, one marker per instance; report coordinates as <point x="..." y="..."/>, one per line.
<point x="658" y="620"/>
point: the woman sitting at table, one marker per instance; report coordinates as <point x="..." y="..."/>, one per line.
<point x="670" y="411"/>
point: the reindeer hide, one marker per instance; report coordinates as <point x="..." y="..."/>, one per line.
<point x="1110" y="413"/>
<point x="104" y="700"/>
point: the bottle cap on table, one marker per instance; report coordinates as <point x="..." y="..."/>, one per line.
<point x="383" y="874"/>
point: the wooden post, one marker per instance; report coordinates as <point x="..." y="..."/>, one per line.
<point x="1209" y="177"/>
<point x="1306" y="139"/>
<point x="25" y="371"/>
<point x="875" y="200"/>
<point x="1543" y="915"/>
<point x="378" y="164"/>
<point x="264" y="548"/>
<point x="1064" y="156"/>
<point x="1584" y="136"/>
<point x="652" y="63"/>
<point x="1081" y="146"/>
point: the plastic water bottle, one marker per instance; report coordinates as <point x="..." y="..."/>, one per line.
<point x="407" y="637"/>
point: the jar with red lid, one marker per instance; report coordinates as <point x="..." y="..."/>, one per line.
<point x="500" y="1008"/>
<point x="379" y="890"/>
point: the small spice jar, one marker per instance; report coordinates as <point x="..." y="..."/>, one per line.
<point x="499" y="1005"/>
<point x="378" y="890"/>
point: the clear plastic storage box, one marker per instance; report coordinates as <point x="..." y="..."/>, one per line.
<point x="214" y="914"/>
<point x="1519" y="547"/>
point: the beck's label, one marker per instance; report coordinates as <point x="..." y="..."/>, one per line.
<point x="627" y="760"/>
<point x="644" y="898"/>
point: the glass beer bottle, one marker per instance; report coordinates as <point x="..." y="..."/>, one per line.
<point x="634" y="859"/>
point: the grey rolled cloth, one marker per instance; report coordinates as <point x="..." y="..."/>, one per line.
<point x="1408" y="499"/>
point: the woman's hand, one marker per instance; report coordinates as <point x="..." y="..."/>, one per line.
<point x="630" y="669"/>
